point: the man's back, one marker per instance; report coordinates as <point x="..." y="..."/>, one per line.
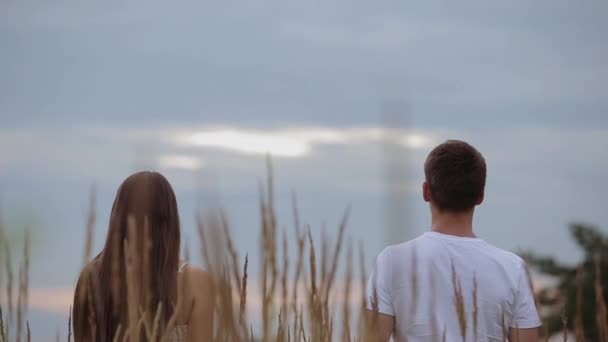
<point x="443" y="284"/>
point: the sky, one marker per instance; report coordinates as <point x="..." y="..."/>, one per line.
<point x="342" y="94"/>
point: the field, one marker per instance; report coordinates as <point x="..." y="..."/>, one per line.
<point x="300" y="294"/>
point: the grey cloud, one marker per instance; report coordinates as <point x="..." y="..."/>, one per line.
<point x="332" y="63"/>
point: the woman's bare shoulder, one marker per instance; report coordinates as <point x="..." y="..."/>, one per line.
<point x="198" y="310"/>
<point x="196" y="287"/>
<point x="194" y="275"/>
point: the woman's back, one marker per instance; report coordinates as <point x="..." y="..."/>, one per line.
<point x="131" y="287"/>
<point x="194" y="321"/>
<point x="193" y="318"/>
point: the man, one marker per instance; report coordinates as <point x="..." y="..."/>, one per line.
<point x="447" y="284"/>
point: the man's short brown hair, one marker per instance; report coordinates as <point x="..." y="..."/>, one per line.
<point x="456" y="175"/>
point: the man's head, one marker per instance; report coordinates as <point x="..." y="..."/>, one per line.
<point x="455" y="177"/>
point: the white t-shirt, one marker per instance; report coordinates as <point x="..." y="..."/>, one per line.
<point x="414" y="282"/>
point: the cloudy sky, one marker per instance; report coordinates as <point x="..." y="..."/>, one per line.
<point x="335" y="91"/>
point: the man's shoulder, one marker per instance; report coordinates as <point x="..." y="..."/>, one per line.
<point x="427" y="245"/>
<point x="417" y="245"/>
<point x="505" y="256"/>
<point x="409" y="244"/>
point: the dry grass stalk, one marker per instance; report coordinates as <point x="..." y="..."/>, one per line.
<point x="414" y="280"/>
<point x="19" y="306"/>
<point x="531" y="284"/>
<point x="231" y="250"/>
<point x="229" y="309"/>
<point x="324" y="256"/>
<point x="602" y="314"/>
<point x="117" y="335"/>
<point x="5" y="250"/>
<point x="9" y="284"/>
<point x="2" y="327"/>
<point x="271" y="230"/>
<point x="237" y="278"/>
<point x="475" y="308"/>
<point x="313" y="295"/>
<point x="92" y="284"/>
<point x="330" y="328"/>
<point x="92" y="321"/>
<point x="133" y="285"/>
<point x="145" y="323"/>
<point x="284" y="322"/>
<point x="363" y="322"/>
<point x="269" y="260"/>
<point x="145" y="273"/>
<point x="200" y="223"/>
<point x="168" y="328"/>
<point x="156" y="323"/>
<point x="172" y="323"/>
<point x="346" y="335"/>
<point x="303" y="333"/>
<point x="70" y="325"/>
<point x="564" y="324"/>
<point x="90" y="227"/>
<point x="23" y="289"/>
<point x="337" y="249"/>
<point x="459" y="304"/>
<point x="280" y="331"/>
<point x="243" y="296"/>
<point x="301" y="245"/>
<point x="372" y="327"/>
<point x="578" y="318"/>
<point x="222" y="330"/>
<point x="505" y="330"/>
<point x="535" y="294"/>
<point x="433" y="317"/>
<point x="116" y="267"/>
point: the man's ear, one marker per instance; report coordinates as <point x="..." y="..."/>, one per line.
<point x="480" y="199"/>
<point x="426" y="192"/>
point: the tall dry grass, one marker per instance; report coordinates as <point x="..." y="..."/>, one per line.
<point x="13" y="323"/>
<point x="297" y="286"/>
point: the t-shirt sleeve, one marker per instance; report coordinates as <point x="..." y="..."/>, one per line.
<point x="378" y="292"/>
<point x="525" y="315"/>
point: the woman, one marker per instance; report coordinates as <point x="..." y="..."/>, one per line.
<point x="137" y="285"/>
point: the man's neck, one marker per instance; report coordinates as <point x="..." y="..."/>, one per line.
<point x="451" y="223"/>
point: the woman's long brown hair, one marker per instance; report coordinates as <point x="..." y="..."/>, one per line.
<point x="137" y="267"/>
